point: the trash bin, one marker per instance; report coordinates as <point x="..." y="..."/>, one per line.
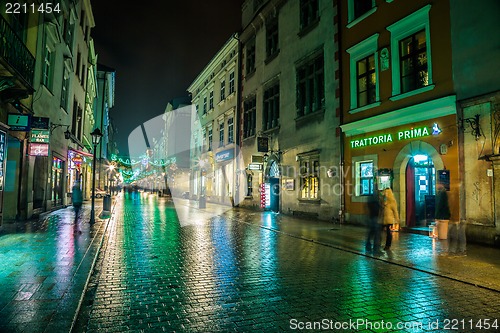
<point x="202" y="202"/>
<point x="442" y="228"/>
<point x="106" y="203"/>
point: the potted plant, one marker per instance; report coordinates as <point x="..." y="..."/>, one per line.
<point x="442" y="212"/>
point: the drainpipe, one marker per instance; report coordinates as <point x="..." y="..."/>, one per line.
<point x="341" y="120"/>
<point x="237" y="116"/>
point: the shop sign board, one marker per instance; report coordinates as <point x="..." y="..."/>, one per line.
<point x="18" y="122"/>
<point x="224" y="155"/>
<point x="38" y="149"/>
<point x="255" y="166"/>
<point x="40" y="136"/>
<point x="40" y="122"/>
<point x="412" y="133"/>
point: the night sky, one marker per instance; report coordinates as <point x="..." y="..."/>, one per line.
<point x="157" y="48"/>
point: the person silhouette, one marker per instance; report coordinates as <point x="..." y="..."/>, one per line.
<point x="77" y="199"/>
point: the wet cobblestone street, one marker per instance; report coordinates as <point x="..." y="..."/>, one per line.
<point x="223" y="274"/>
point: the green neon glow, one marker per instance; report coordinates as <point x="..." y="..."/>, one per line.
<point x="412" y="133"/>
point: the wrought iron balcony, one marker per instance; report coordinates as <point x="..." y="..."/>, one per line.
<point x="15" y="58"/>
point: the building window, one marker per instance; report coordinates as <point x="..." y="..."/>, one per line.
<point x="205" y="105"/>
<point x="19" y="22"/>
<point x="222" y="90"/>
<point x="221" y="134"/>
<point x="230" y="130"/>
<point x="48" y="65"/>
<point x="413" y="60"/>
<point x="271" y="112"/>
<point x="309" y="13"/>
<point x="197" y="107"/>
<point x="309" y="178"/>
<point x="249" y="117"/>
<point x="211" y="100"/>
<point x="231" y="83"/>
<point x="210" y="139"/>
<point x="411" y="54"/>
<point x="364" y="72"/>
<point x="68" y="31"/>
<point x="250" y="56"/>
<point x="78" y="65"/>
<point x="65" y="90"/>
<point x="272" y="46"/>
<point x="310" y="87"/>
<point x="367" y="80"/>
<point x="364" y="178"/>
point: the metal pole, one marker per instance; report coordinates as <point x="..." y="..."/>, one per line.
<point x="92" y="213"/>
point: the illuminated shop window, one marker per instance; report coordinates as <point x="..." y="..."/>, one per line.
<point x="364" y="179"/>
<point x="309" y="178"/>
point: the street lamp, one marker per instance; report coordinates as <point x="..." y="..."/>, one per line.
<point x="96" y="137"/>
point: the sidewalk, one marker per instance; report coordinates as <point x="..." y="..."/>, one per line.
<point x="481" y="266"/>
<point x="45" y="269"/>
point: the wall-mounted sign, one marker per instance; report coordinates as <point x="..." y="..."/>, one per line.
<point x="40" y="122"/>
<point x="254" y="166"/>
<point x="38" y="149"/>
<point x="18" y="122"/>
<point x="288" y="184"/>
<point x="412" y="133"/>
<point x="224" y="155"/>
<point x="40" y="136"/>
<point x="444" y="178"/>
<point x="262" y="144"/>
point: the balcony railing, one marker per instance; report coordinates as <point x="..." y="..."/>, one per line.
<point x="15" y="53"/>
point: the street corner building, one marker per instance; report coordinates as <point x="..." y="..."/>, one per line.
<point x="418" y="112"/>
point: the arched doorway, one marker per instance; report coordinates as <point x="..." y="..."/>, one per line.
<point x="420" y="190"/>
<point x="415" y="160"/>
<point x="274" y="185"/>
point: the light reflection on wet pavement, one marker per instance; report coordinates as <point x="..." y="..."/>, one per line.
<point x="233" y="273"/>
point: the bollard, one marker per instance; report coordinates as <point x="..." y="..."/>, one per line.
<point x="203" y="202"/>
<point x="106" y="203"/>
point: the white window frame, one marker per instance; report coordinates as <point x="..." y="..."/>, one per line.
<point x="350" y="13"/>
<point x="413" y="23"/>
<point x="358" y="52"/>
<point x="356" y="162"/>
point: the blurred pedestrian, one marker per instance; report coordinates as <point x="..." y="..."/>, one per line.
<point x="77" y="199"/>
<point x="389" y="215"/>
<point x="373" y="224"/>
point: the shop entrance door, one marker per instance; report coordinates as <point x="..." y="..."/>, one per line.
<point x="420" y="191"/>
<point x="274" y="187"/>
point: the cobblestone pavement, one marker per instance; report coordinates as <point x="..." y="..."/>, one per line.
<point x="44" y="270"/>
<point x="229" y="274"/>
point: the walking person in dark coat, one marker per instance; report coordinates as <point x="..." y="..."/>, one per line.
<point x="77" y="199"/>
<point x="373" y="224"/>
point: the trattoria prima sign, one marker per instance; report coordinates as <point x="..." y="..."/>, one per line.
<point x="412" y="133"/>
